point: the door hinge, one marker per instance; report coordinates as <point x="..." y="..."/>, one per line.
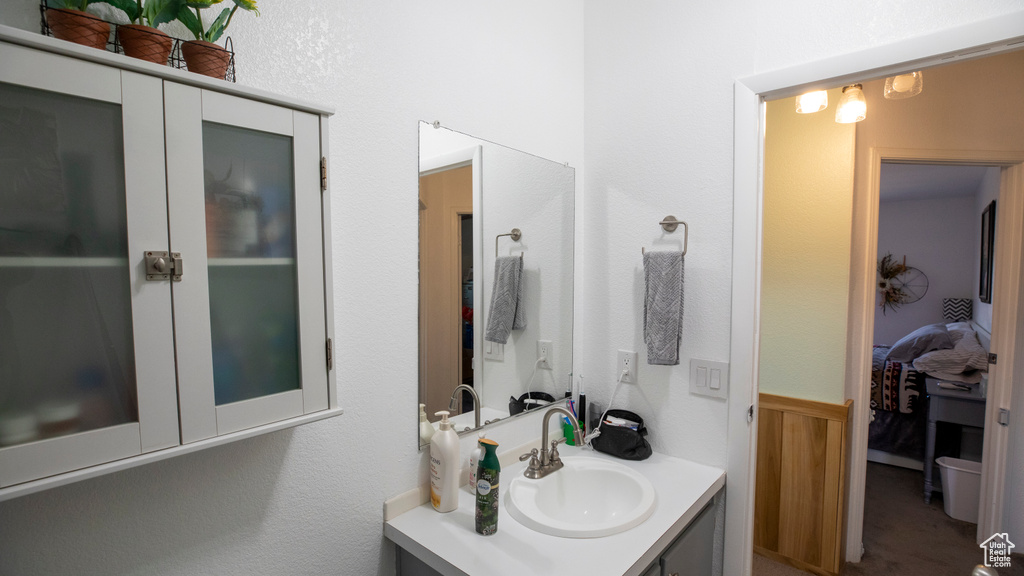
<point x="992" y="358"/>
<point x="161" y="266"/>
<point x="330" y="355"/>
<point x="1004" y="417"/>
<point x="323" y="173"/>
<point x="750" y="414"/>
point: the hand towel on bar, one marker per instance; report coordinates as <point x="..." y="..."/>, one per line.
<point x="663" y="306"/>
<point x="506" y="312"/>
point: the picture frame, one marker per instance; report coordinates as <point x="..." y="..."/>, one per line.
<point x="988" y="237"/>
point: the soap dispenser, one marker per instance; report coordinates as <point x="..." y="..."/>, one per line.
<point x="444" y="466"/>
<point x="426" y="428"/>
<point x="475" y="456"/>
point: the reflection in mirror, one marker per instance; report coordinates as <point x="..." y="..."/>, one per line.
<point x="496" y="278"/>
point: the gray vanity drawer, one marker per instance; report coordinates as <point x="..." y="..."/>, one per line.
<point x="691" y="553"/>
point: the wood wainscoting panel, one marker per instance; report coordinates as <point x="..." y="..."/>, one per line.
<point x="769" y="477"/>
<point x="800" y="492"/>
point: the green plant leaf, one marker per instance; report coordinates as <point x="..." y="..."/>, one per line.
<point x="129" y="7"/>
<point x="157" y="12"/>
<point x="217" y="27"/>
<point x="201" y="3"/>
<point x="187" y="17"/>
<point x="249" y="5"/>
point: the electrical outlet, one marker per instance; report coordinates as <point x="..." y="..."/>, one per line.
<point x="627" y="362"/>
<point x="545" y="352"/>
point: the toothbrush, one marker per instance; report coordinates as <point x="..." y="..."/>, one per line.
<point x="582" y="416"/>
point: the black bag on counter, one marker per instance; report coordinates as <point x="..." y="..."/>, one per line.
<point x="528" y="401"/>
<point x="621" y="441"/>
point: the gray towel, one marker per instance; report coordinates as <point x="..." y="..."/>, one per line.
<point x="663" y="306"/>
<point x="506" y="312"/>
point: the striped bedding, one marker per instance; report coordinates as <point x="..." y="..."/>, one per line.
<point x="895" y="386"/>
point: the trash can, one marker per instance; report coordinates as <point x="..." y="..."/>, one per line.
<point x="961" y="488"/>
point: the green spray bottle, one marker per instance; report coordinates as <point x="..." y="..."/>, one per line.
<point x="487" y="488"/>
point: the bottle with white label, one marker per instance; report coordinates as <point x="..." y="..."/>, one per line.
<point x="444" y="466"/>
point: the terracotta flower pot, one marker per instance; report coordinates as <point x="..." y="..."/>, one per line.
<point x="145" y="43"/>
<point x="78" y="27"/>
<point x="205" y="58"/>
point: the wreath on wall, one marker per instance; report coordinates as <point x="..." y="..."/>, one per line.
<point x="898" y="283"/>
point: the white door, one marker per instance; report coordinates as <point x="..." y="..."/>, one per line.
<point x="86" y="365"/>
<point x="244" y="197"/>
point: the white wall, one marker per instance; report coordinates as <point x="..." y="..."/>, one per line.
<point x="658" y="84"/>
<point x="308" y="501"/>
<point x="987" y="192"/>
<point x="805" y="269"/>
<point x="938" y="236"/>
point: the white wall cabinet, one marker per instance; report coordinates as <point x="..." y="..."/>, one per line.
<point x="105" y="363"/>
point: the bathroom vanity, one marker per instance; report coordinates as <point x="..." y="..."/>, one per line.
<point x="677" y="539"/>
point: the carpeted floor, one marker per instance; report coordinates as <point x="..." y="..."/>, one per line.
<point x="903" y="535"/>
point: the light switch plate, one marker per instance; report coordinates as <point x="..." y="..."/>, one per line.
<point x="494" y="351"/>
<point x="709" y="378"/>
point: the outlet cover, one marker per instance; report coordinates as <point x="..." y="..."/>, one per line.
<point x="626" y="361"/>
<point x="709" y="378"/>
<point x="544" y="346"/>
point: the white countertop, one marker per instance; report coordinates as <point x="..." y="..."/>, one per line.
<point x="449" y="542"/>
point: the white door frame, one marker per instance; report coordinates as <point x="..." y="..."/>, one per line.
<point x="1006" y="304"/>
<point x="959" y="43"/>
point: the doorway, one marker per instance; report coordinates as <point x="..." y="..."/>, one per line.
<point x="747" y="281"/>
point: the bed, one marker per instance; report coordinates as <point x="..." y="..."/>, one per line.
<point x="951" y="353"/>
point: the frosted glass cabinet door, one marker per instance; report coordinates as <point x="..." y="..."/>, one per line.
<point x="245" y="215"/>
<point x="81" y="155"/>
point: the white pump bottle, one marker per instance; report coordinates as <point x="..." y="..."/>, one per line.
<point x="444" y="466"/>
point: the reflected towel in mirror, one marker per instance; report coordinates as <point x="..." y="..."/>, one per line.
<point x="663" y="306"/>
<point x="506" y="312"/>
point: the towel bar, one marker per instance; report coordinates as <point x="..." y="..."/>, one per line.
<point x="669" y="224"/>
<point x="516" y="234"/>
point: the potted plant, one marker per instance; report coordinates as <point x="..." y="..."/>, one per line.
<point x="202" y="55"/>
<point x="141" y="39"/>
<point x="69" y="21"/>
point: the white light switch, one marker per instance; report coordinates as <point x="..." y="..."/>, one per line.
<point x="494" y="351"/>
<point x="709" y="378"/>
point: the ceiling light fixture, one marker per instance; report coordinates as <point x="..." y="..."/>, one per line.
<point x="812" y="102"/>
<point x="852" y="106"/>
<point x="904" y="85"/>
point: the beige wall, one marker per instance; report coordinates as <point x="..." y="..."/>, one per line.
<point x="808" y="192"/>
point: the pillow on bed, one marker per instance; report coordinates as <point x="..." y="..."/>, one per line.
<point x="968" y="354"/>
<point x="924" y="339"/>
<point x="957" y="330"/>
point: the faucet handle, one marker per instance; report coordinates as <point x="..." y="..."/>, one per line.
<point x="553" y="454"/>
<point x="530" y="454"/>
<point x="534" y="461"/>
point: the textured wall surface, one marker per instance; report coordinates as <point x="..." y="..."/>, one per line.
<point x="938" y="236"/>
<point x="658" y="105"/>
<point x="309" y="501"/>
<point x="805" y="270"/>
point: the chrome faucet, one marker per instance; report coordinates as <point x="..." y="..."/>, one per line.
<point x="548" y="461"/>
<point x="453" y="404"/>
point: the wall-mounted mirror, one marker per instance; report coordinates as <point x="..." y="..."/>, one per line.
<point x="496" y="277"/>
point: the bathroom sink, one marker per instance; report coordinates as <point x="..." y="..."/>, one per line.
<point x="588" y="498"/>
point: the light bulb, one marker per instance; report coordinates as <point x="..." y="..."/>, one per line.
<point x="904" y="85"/>
<point x="852" y="105"/>
<point x="811" y="102"/>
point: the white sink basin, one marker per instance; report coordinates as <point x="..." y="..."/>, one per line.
<point x="588" y="498"/>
